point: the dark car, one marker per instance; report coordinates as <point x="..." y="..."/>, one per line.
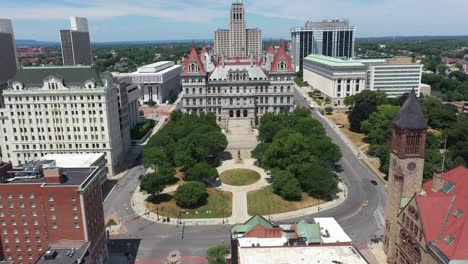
<point x="374" y="182"/>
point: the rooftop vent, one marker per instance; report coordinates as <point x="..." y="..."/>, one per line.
<point x="449" y="239"/>
<point x="50" y="254"/>
<point x="458" y="213"/>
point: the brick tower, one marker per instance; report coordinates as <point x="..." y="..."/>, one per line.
<point x="406" y="166"/>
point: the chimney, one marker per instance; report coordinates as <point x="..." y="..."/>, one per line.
<point x="53" y="175"/>
<point x="437" y="181"/>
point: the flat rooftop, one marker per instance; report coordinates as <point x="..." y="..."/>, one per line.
<point x="72" y="176"/>
<point x="331" y="231"/>
<point x="65" y="255"/>
<point x="297" y="255"/>
<point x="74" y="160"/>
<point x="333" y="62"/>
<point x="155" y="67"/>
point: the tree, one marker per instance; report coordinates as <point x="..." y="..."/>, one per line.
<point x="153" y="156"/>
<point x="191" y="195"/>
<point x="328" y="110"/>
<point x="201" y="172"/>
<point x="292" y="191"/>
<point x="360" y="112"/>
<point x="378" y="127"/>
<point x="153" y="183"/>
<point x="217" y="255"/>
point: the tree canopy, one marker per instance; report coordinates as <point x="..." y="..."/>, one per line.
<point x="290" y="141"/>
<point x="217" y="255"/>
<point x="191" y="194"/>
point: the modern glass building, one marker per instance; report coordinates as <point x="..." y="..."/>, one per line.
<point x="329" y="38"/>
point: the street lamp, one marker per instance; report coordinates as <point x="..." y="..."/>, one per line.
<point x="157" y="213"/>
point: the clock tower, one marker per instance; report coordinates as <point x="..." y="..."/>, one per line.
<point x="406" y="167"/>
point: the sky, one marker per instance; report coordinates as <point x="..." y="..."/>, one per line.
<point x="145" y="20"/>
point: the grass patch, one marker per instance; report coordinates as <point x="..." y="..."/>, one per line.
<point x="219" y="205"/>
<point x="239" y="177"/>
<point x="341" y="118"/>
<point x="259" y="201"/>
<point x="111" y="222"/>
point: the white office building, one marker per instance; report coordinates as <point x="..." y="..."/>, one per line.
<point x="335" y="78"/>
<point x="395" y="76"/>
<point x="329" y="38"/>
<point x="61" y="110"/>
<point x="339" y="78"/>
<point x="157" y="81"/>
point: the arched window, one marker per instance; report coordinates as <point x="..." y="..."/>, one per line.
<point x="193" y="67"/>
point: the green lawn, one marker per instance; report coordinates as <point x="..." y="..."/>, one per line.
<point x="266" y="202"/>
<point x="219" y="205"/>
<point x="239" y="177"/>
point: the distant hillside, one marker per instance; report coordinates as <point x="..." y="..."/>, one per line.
<point x="30" y="42"/>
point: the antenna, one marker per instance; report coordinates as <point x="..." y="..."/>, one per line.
<point x="443" y="155"/>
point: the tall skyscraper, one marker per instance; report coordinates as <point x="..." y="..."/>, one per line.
<point x="76" y="44"/>
<point x="330" y="38"/>
<point x="8" y="58"/>
<point x="238" y="41"/>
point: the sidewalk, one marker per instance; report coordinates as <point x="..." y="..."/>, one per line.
<point x="239" y="207"/>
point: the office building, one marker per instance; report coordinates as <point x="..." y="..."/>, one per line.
<point x="322" y="241"/>
<point x="8" y="57"/>
<point x="396" y="76"/>
<point x="335" y="78"/>
<point x="76" y="43"/>
<point x="156" y="81"/>
<point x="61" y="110"/>
<point x="329" y="38"/>
<point x="339" y="78"/>
<point x="424" y="223"/>
<point x="42" y="204"/>
<point x="239" y="87"/>
<point x="238" y="41"/>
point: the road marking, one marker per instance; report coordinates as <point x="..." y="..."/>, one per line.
<point x="364" y="204"/>
<point x="349" y="165"/>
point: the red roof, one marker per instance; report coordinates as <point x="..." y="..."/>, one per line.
<point x="193" y="56"/>
<point x="271" y="48"/>
<point x="435" y="207"/>
<point x="281" y="54"/>
<point x="261" y="232"/>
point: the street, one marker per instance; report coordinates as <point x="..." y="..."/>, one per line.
<point x="361" y="214"/>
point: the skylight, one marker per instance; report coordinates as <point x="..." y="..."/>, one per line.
<point x="448" y="186"/>
<point x="449" y="239"/>
<point x="457" y="213"/>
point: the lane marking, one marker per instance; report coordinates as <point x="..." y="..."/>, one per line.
<point x="349" y="165"/>
<point x="364" y="204"/>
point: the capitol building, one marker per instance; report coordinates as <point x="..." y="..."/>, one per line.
<point x="238" y="87"/>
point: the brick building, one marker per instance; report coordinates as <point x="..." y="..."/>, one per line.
<point x="423" y="223"/>
<point x="41" y="204"/>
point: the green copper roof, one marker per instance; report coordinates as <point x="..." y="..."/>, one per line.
<point x="310" y="231"/>
<point x="333" y="62"/>
<point x="251" y="223"/>
<point x="368" y="61"/>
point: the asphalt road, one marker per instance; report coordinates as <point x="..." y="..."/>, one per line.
<point x="362" y="213"/>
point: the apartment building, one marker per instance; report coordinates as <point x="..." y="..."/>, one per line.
<point x="42" y="204"/>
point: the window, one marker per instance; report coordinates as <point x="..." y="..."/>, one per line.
<point x="51" y="198"/>
<point x="77" y="225"/>
<point x="54" y="225"/>
<point x="27" y="239"/>
<point x="53" y="217"/>
<point x="20" y="195"/>
<point x="75" y="216"/>
<point x="39" y="248"/>
<point x="52" y="207"/>
<point x="73" y="198"/>
<point x="38" y="239"/>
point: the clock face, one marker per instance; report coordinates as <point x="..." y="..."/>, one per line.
<point x="394" y="164"/>
<point x="411" y="166"/>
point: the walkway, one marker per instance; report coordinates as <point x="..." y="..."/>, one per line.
<point x="241" y="137"/>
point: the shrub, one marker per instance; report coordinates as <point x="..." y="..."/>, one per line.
<point x="141" y="129"/>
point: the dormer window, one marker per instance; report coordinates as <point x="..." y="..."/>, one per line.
<point x="282" y="66"/>
<point x="193" y="67"/>
<point x="90" y="84"/>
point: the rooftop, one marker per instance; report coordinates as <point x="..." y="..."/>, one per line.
<point x="251" y="223"/>
<point x="74" y="160"/>
<point x="411" y="115"/>
<point x="66" y="255"/>
<point x="311" y="232"/>
<point x="33" y="173"/>
<point x="331" y="231"/>
<point x="155" y="67"/>
<point x="444" y="214"/>
<point x="253" y="70"/>
<point x="333" y="62"/>
<point x="297" y="255"/>
<point x="71" y="75"/>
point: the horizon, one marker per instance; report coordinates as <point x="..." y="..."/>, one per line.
<point x="163" y="20"/>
